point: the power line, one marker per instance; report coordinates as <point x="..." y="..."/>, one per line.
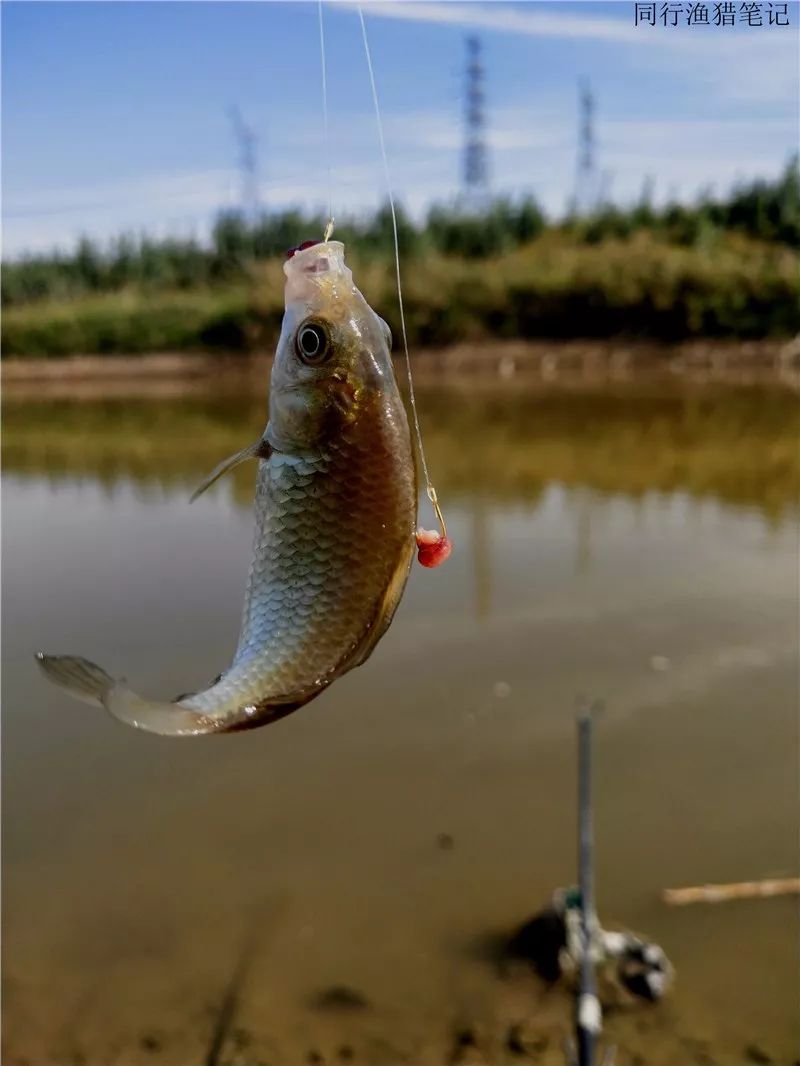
<point x="476" y="156"/>
<point x="587" y="184"/>
<point x="247" y="141"/>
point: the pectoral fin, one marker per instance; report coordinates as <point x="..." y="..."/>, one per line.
<point x="260" y="450"/>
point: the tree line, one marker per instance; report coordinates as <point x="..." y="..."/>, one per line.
<point x="765" y="210"/>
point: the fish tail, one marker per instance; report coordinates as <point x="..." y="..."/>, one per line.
<point x="88" y="682"/>
<point x="79" y="677"/>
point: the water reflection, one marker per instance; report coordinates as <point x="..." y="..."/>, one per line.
<point x="481" y="555"/>
<point x="733" y="444"/>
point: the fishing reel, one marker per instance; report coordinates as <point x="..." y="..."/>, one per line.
<point x="629" y="962"/>
<point x="551" y="942"/>
<point x="642" y="968"/>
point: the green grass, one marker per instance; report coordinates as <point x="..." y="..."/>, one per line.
<point x="127" y="322"/>
<point x="640" y="287"/>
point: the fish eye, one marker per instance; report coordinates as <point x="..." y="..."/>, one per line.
<point x="312" y="342"/>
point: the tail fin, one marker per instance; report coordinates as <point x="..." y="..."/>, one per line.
<point x="79" y="677"/>
<point x="88" y="682"/>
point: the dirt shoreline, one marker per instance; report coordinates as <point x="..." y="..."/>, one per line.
<point x="517" y="1020"/>
<point x="496" y="358"/>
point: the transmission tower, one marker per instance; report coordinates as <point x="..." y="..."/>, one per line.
<point x="248" y="163"/>
<point x="476" y="162"/>
<point x="586" y="181"/>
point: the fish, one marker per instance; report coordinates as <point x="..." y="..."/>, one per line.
<point x="335" y="518"/>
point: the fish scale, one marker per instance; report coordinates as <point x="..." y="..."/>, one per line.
<point x="310" y="568"/>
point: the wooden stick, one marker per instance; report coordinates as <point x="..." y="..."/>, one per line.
<point x="784" y="886"/>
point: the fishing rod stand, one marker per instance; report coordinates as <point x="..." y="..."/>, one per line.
<point x="566" y="937"/>
<point x="641" y="967"/>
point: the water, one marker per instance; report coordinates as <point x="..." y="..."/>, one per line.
<point x="637" y="544"/>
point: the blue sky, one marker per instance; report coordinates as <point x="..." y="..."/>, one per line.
<point x="114" y="113"/>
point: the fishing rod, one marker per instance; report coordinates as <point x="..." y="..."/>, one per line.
<point x="588" y="1012"/>
<point x="581" y="917"/>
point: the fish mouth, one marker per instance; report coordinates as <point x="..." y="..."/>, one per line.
<point x="314" y="270"/>
<point x="316" y="258"/>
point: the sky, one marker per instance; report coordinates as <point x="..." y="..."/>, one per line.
<point x="116" y="115"/>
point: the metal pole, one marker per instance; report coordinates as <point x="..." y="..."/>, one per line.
<point x="588" y="1016"/>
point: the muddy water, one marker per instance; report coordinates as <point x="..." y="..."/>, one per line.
<point x="636" y="544"/>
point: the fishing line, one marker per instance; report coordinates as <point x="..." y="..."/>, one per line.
<point x="430" y="490"/>
<point x="329" y="227"/>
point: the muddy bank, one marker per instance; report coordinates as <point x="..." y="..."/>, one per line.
<point x="518" y="1020"/>
<point x="169" y="373"/>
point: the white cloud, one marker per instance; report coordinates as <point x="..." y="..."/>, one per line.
<point x="161" y="204"/>
<point x="534" y="22"/>
<point x="684" y="158"/>
<point x="757" y="66"/>
<point x="750" y="67"/>
<point x="510" y="128"/>
<point x="191" y="189"/>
